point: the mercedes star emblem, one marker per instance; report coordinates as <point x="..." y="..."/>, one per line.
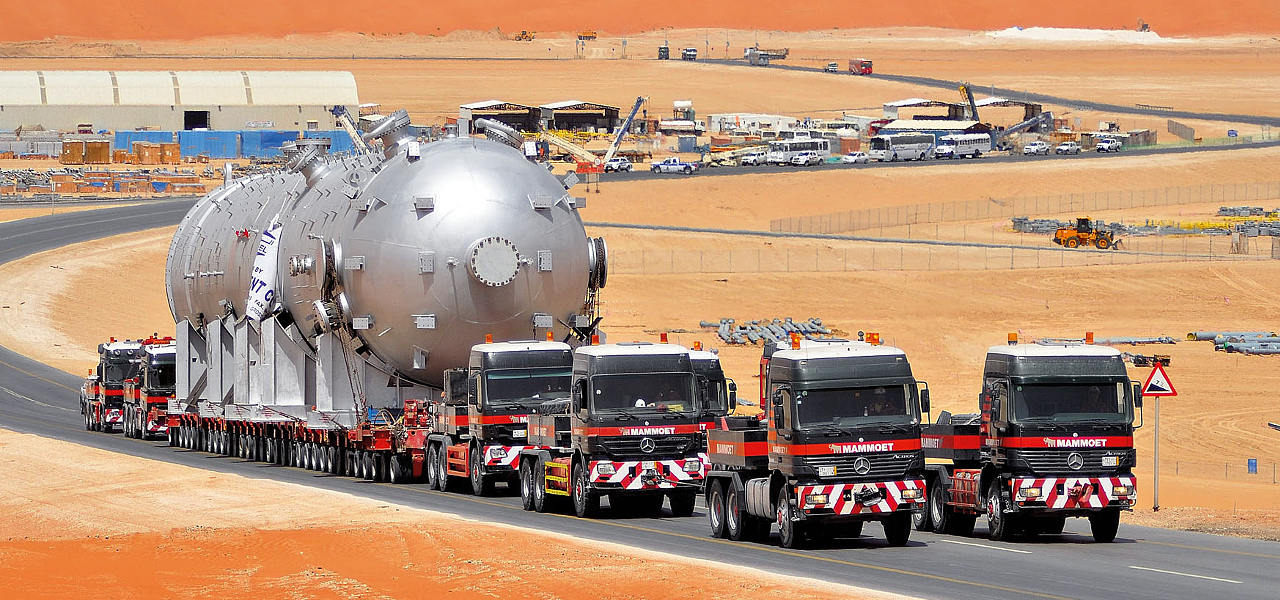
<point x="647" y="445"/>
<point x="861" y="465"/>
<point x="1075" y="461"/>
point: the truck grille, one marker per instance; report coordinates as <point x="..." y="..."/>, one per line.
<point x="1054" y="460"/>
<point x="629" y="447"/>
<point x="891" y="464"/>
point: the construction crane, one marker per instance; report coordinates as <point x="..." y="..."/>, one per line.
<point x="578" y="152"/>
<point x="622" y="131"/>
<point x="967" y="95"/>
<point x="1044" y="118"/>
<point x="346" y="122"/>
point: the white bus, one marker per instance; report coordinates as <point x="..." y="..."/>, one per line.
<point x="901" y="146"/>
<point x="961" y="145"/>
<point x="781" y="150"/>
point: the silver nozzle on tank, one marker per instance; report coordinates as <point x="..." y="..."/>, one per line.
<point x="500" y="132"/>
<point x="308" y="159"/>
<point x="392" y="131"/>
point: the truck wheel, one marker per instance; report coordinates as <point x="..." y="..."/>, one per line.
<point x="897" y="529"/>
<point x="585" y="503"/>
<point x="688" y="170"/>
<point x="526" y="484"/>
<point x="395" y="469"/>
<point x="361" y="463"/>
<point x="1104" y="525"/>
<point x="940" y="516"/>
<point x="441" y="465"/>
<point x="737" y="523"/>
<point x="999" y="525"/>
<point x="790" y="532"/>
<point x="1073" y="243"/>
<point x="480" y="485"/>
<point x="429" y="467"/>
<point x="539" y="479"/>
<point x="923" y="519"/>
<point x="682" y="503"/>
<point x="716" y="509"/>
<point x="1102" y="243"/>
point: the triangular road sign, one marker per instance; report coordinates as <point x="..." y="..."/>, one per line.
<point x="1158" y="383"/>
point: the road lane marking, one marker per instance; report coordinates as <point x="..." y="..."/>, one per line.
<point x="986" y="546"/>
<point x="1191" y="547"/>
<point x="1185" y="574"/>
<point x="30" y="374"/>
<point x="33" y="400"/>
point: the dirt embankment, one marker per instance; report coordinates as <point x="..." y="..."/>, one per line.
<point x="75" y="521"/>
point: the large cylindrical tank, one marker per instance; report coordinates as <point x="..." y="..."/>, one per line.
<point x="418" y="252"/>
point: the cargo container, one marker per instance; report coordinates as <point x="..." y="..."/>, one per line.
<point x="72" y="153"/>
<point x="96" y="152"/>
<point x="170" y="153"/>
<point x="214" y="144"/>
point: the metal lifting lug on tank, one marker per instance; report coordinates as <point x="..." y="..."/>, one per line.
<point x="318" y="307"/>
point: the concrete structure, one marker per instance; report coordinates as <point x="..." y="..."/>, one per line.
<point x="175" y="100"/>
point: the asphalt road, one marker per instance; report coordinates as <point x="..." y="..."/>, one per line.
<point x="1142" y="563"/>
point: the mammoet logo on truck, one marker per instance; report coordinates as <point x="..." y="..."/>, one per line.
<point x="867" y="447"/>
<point x="648" y="430"/>
<point x="1075" y="442"/>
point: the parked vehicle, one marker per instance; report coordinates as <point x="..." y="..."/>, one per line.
<point x="1036" y="147"/>
<point x="1067" y="148"/>
<point x="664" y="52"/>
<point x="673" y="165"/>
<point x="902" y="146"/>
<point x="1108" y="145"/>
<point x="860" y="66"/>
<point x="855" y="158"/>
<point x="832" y="67"/>
<point x="689" y="54"/>
<point x="781" y="151"/>
<point x="806" y="159"/>
<point x="1053" y="439"/>
<point x="754" y="158"/>
<point x="962" y="145"/>
<point x="620" y="164"/>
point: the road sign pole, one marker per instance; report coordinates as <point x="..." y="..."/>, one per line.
<point x="1155" y="491"/>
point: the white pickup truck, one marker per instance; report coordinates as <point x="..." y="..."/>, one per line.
<point x="673" y="165"/>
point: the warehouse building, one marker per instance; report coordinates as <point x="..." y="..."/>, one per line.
<point x="519" y="116"/>
<point x="575" y="115"/>
<point x="175" y="100"/>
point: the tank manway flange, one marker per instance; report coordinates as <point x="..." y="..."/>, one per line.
<point x="494" y="261"/>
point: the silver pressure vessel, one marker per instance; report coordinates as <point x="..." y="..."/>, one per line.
<point x="417" y="252"/>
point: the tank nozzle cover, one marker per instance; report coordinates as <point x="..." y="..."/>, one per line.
<point x="306" y="158"/>
<point x="392" y="131"/>
<point x="500" y="132"/>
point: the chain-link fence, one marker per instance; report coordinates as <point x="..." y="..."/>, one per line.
<point x="996" y="208"/>
<point x="893" y="257"/>
<point x="1227" y="470"/>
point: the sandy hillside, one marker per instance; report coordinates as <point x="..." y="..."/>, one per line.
<point x="117" y="19"/>
<point x="156" y="530"/>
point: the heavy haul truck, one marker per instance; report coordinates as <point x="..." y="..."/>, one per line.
<point x="839" y="446"/>
<point x="631" y="430"/>
<point x="148" y="392"/>
<point x="102" y="395"/>
<point x="1053" y="439"/>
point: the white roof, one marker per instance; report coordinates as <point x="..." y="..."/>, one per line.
<point x="908" y="102"/>
<point x="631" y="349"/>
<point x="483" y="104"/>
<point x="991" y="100"/>
<point x="164" y="349"/>
<point x="837" y="350"/>
<point x="928" y="124"/>
<point x="519" y="345"/>
<point x="123" y="345"/>
<point x="164" y="88"/>
<point x="1071" y="349"/>
<point x="703" y="355"/>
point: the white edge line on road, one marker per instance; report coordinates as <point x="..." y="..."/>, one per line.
<point x="1185" y="574"/>
<point x="986" y="546"/>
<point x="32" y="400"/>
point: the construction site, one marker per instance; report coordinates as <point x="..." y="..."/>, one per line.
<point x="503" y="310"/>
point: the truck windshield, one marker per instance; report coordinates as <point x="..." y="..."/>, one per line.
<point x="1105" y="401"/>
<point x="656" y="391"/>
<point x="523" y="385"/>
<point x="162" y="375"/>
<point x="116" y="371"/>
<point x="879" y="143"/>
<point x="717" y="400"/>
<point x="887" y="404"/>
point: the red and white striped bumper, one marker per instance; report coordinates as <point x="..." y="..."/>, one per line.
<point x="113" y="415"/>
<point x="1066" y="493"/>
<point x="157" y="426"/>
<point x="861" y="498"/>
<point x="648" y="474"/>
<point x="499" y="456"/>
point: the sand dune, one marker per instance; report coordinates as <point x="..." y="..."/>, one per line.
<point x="123" y="19"/>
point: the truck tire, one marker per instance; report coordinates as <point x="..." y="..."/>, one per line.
<point x="1072" y="243"/>
<point x="429" y="467"/>
<point x="443" y="482"/>
<point x="480" y="485"/>
<point x="682" y="503"/>
<point x="716" y="509"/>
<point x="585" y="504"/>
<point x="897" y="529"/>
<point x="1102" y="243"/>
<point x="736" y="519"/>
<point x="941" y="517"/>
<point x="362" y="465"/>
<point x="688" y="170"/>
<point x="1000" y="526"/>
<point x="395" y="469"/>
<point x="791" y="532"/>
<point x="539" y="480"/>
<point x="526" y="484"/>
<point x="923" y="519"/>
<point x="1104" y="525"/>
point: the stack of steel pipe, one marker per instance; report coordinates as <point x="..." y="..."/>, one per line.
<point x="1134" y="341"/>
<point x="766" y="330"/>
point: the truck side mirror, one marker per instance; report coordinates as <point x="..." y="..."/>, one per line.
<point x="733" y="394"/>
<point x="924" y="399"/>
<point x="578" y="402"/>
<point x="1137" y="395"/>
<point x="473" y="389"/>
<point x="101" y="347"/>
<point x="778" y="401"/>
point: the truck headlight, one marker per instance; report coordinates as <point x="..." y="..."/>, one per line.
<point x="815" y="499"/>
<point x="1121" y="490"/>
<point x="605" y="469"/>
<point x="692" y="465"/>
<point x="912" y="494"/>
<point x="1029" y="492"/>
<point x="498" y="452"/>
